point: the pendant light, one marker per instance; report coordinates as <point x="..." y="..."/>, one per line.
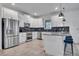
<point x="64" y="19"/>
<point x="61" y="15"/>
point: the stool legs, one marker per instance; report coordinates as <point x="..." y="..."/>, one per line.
<point x="65" y="48"/>
<point x="72" y="49"/>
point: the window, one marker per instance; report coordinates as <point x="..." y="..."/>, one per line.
<point x="47" y="24"/>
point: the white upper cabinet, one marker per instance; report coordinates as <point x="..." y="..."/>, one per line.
<point x="8" y="13"/>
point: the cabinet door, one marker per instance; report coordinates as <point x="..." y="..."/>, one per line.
<point x="34" y="35"/>
<point x="22" y="38"/>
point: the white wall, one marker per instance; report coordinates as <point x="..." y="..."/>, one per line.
<point x="56" y="21"/>
<point x="72" y="20"/>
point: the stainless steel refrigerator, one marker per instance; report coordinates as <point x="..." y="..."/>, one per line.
<point x="10" y="32"/>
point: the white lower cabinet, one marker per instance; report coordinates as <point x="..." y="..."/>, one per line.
<point x="34" y="35"/>
<point x="22" y="37"/>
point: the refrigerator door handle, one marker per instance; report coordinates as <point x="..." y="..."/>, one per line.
<point x="7" y="31"/>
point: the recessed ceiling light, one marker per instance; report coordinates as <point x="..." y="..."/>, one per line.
<point x="13" y="4"/>
<point x="56" y="8"/>
<point x="28" y="16"/>
<point x="35" y="13"/>
<point x="61" y="15"/>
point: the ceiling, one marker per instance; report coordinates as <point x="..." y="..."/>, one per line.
<point x="41" y="8"/>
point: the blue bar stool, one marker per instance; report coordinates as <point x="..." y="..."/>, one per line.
<point x="68" y="40"/>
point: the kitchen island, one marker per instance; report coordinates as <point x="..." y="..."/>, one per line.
<point x="53" y="43"/>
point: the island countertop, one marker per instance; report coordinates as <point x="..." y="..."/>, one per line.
<point x="55" y="33"/>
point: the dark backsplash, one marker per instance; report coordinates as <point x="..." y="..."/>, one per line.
<point x="41" y="29"/>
